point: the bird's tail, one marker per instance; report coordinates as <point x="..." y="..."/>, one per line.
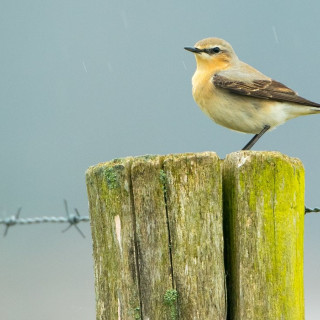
<point x="315" y="109"/>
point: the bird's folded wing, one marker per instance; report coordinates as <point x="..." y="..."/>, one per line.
<point x="263" y="89"/>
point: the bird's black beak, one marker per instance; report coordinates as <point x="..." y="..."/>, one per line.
<point x="194" y="50"/>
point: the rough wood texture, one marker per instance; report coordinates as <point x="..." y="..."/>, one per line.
<point x="112" y="220"/>
<point x="157" y="225"/>
<point x="194" y="205"/>
<point x="151" y="235"/>
<point x="263" y="224"/>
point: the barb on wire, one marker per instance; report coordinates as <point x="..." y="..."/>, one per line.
<point x="11" y="221"/>
<point x="308" y="210"/>
<point x="72" y="219"/>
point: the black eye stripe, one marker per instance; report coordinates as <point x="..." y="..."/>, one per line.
<point x="212" y="50"/>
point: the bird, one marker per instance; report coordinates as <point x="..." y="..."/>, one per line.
<point x="237" y="96"/>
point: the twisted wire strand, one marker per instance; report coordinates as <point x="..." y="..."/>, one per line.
<point x="71" y="219"/>
<point x="308" y="210"/>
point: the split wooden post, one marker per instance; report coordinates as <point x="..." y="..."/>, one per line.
<point x="158" y="229"/>
<point x="263" y="223"/>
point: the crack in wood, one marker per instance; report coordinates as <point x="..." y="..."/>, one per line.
<point x="136" y="245"/>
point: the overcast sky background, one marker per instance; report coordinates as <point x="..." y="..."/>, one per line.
<point x="84" y="82"/>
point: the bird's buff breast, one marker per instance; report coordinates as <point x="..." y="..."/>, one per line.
<point x="236" y="112"/>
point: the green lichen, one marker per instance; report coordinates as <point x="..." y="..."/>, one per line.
<point x="170" y="300"/>
<point x="116" y="160"/>
<point x="147" y="157"/>
<point x="111" y="177"/>
<point x="137" y="314"/>
<point x="269" y="187"/>
<point x="163" y="179"/>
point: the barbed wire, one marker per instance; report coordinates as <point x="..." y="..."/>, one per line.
<point x="72" y="219"/>
<point x="308" y="210"/>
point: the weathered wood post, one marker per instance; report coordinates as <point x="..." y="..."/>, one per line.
<point x="263" y="223"/>
<point x="157" y="226"/>
<point x="158" y="229"/>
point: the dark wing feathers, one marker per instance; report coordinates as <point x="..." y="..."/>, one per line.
<point x="263" y="89"/>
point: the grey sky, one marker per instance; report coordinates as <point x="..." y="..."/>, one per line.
<point x="86" y="81"/>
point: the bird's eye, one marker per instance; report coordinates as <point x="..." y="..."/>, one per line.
<point x="214" y="50"/>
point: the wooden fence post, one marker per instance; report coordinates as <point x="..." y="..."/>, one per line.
<point x="194" y="206"/>
<point x="263" y="223"/>
<point x="158" y="229"/>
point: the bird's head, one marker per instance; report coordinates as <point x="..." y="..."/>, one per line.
<point x="213" y="53"/>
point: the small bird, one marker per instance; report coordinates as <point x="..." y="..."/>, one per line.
<point x="239" y="97"/>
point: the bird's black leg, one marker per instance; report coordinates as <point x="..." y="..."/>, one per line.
<point x="256" y="137"/>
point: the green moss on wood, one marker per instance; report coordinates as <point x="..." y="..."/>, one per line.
<point x="163" y="179"/>
<point x="194" y="205"/>
<point x="111" y="178"/>
<point x="111" y="220"/>
<point x="137" y="314"/>
<point x="264" y="209"/>
<point x="170" y="300"/>
<point x="263" y="197"/>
